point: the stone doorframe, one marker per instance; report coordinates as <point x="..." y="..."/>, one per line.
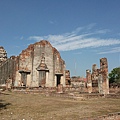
<point x="46" y="77"/>
<point x="24" y="77"/>
<point x="58" y="79"/>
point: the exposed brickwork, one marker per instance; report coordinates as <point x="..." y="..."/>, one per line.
<point x="68" y="80"/>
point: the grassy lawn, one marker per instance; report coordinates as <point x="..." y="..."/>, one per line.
<point x="15" y="106"/>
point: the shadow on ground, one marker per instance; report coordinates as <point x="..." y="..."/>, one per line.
<point x="3" y="105"/>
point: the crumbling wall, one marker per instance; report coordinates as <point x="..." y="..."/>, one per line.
<point x="7" y="69"/>
<point x="78" y="83"/>
<point x="24" y="66"/>
<point x="68" y="80"/>
<point x="59" y="67"/>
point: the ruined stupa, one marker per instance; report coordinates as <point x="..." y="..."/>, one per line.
<point x="3" y="55"/>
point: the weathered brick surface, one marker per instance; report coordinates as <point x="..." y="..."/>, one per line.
<point x="68" y="80"/>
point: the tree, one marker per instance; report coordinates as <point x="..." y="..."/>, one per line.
<point x="114" y="76"/>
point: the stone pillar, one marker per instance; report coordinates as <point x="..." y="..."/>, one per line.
<point x="55" y="83"/>
<point x="62" y="81"/>
<point x="47" y="79"/>
<point x="89" y="81"/>
<point x="104" y="73"/>
<point x="94" y="75"/>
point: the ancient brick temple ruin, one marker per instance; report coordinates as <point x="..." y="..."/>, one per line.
<point x="38" y="65"/>
<point x="99" y="77"/>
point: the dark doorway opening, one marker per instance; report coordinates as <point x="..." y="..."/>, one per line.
<point x="58" y="79"/>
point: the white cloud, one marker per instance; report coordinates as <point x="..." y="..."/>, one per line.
<point x="113" y="50"/>
<point x="103" y="31"/>
<point x="79" y="38"/>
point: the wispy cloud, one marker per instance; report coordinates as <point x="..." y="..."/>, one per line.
<point x="113" y="50"/>
<point x="21" y="38"/>
<point x="17" y="46"/>
<point x="51" y="22"/>
<point x="78" y="53"/>
<point x="79" y="38"/>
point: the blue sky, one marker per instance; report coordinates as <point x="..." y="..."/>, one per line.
<point x="82" y="30"/>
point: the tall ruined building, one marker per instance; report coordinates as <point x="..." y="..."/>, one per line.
<point x="3" y="55"/>
<point x="40" y="65"/>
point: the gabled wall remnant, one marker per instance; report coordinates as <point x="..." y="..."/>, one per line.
<point x="40" y="65"/>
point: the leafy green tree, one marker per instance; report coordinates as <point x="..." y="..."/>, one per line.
<point x="114" y="75"/>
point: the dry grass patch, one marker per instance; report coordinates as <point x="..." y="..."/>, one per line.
<point x="14" y="106"/>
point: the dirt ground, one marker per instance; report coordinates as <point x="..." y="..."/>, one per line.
<point x="19" y="106"/>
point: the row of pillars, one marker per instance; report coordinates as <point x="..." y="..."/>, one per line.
<point x="103" y="83"/>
